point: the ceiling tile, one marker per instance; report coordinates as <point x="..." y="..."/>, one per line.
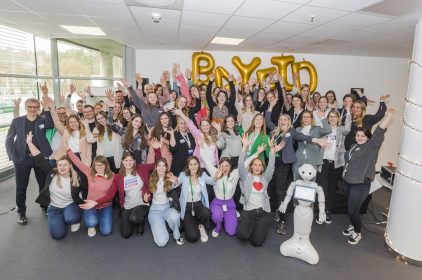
<point x="196" y="18"/>
<point x="247" y="23"/>
<point x="216" y="6"/>
<point x="301" y="40"/>
<point x="323" y="32"/>
<point x="268" y="9"/>
<point x="51" y="6"/>
<point x="266" y="37"/>
<point x="144" y="14"/>
<point x="109" y="10"/>
<point x="22" y="17"/>
<point x="161" y="30"/>
<point x="358" y="21"/>
<point x="347" y="5"/>
<point x="115" y="22"/>
<point x="8" y="5"/>
<point x="321" y="15"/>
<point x="194" y="30"/>
<point x="69" y="20"/>
<point x="288" y="28"/>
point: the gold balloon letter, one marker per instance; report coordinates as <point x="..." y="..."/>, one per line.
<point x="282" y="62"/>
<point x="262" y="74"/>
<point x="220" y="74"/>
<point x="198" y="69"/>
<point x="313" y="76"/>
<point x="246" y="70"/>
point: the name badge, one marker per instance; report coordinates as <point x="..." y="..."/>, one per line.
<point x="190" y="152"/>
<point x="182" y="141"/>
<point x="224" y="207"/>
<point x="41" y="126"/>
<point x="287" y="135"/>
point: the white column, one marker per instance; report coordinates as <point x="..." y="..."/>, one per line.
<point x="403" y="236"/>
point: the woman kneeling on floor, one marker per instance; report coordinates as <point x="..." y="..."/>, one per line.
<point x="255" y="219"/>
<point x="60" y="193"/>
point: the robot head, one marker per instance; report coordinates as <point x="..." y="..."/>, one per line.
<point x="307" y="172"/>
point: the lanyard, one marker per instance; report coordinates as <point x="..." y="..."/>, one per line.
<point x="278" y="136"/>
<point x="186" y="139"/>
<point x="224" y="189"/>
<point x="296" y="116"/>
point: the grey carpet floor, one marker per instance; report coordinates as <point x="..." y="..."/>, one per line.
<point x="28" y="252"/>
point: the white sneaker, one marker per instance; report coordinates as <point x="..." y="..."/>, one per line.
<point x="349" y="231"/>
<point x="204" y="236"/>
<point x="75" y="227"/>
<point x="214" y="233"/>
<point x="354" y="238"/>
<point x="92" y="231"/>
<point x="237" y="214"/>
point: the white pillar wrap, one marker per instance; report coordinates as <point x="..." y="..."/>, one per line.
<point x="404" y="227"/>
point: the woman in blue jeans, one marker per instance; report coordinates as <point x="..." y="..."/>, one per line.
<point x="163" y="206"/>
<point x="60" y="194"/>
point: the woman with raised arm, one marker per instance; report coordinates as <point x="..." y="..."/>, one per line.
<point x="362" y="120"/>
<point x="309" y="152"/>
<point x="296" y="111"/>
<point x="108" y="141"/>
<point x="60" y="195"/>
<point x="165" y="205"/>
<point x="229" y="140"/>
<point x="257" y="136"/>
<point x="97" y="209"/>
<point x="359" y="172"/>
<point x="224" y="105"/>
<point x="322" y="110"/>
<point x="333" y="159"/>
<point x="255" y="219"/>
<point x="246" y="112"/>
<point x="134" y="139"/>
<point x="261" y="103"/>
<point x="164" y="132"/>
<point x="284" y="133"/>
<point x="183" y="148"/>
<point x="194" y="203"/>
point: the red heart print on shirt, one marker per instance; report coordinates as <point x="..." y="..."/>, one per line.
<point x="257" y="186"/>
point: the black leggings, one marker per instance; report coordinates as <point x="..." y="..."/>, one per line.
<point x="280" y="182"/>
<point x="254" y="226"/>
<point x="133" y="219"/>
<point x="356" y="195"/>
<point x="191" y="223"/>
<point x="328" y="179"/>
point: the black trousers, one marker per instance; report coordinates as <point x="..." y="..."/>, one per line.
<point x="22" y="172"/>
<point x="83" y="180"/>
<point x="133" y="219"/>
<point x="280" y="183"/>
<point x="112" y="164"/>
<point x="356" y="195"/>
<point x="328" y="179"/>
<point x="254" y="226"/>
<point x="191" y="223"/>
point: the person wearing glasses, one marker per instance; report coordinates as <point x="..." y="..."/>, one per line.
<point x="18" y="151"/>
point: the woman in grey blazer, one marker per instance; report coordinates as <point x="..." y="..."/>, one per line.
<point x="308" y="152"/>
<point x="333" y="158"/>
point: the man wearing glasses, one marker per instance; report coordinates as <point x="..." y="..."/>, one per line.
<point x="18" y="151"/>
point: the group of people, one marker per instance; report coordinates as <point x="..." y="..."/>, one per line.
<point x="191" y="158"/>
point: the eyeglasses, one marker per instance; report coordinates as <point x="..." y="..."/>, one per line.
<point x="32" y="107"/>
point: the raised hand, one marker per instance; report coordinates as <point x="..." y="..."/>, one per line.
<point x="176" y="69"/>
<point x="384" y="97"/>
<point x="217" y="126"/>
<point x="155" y="143"/>
<point x="261" y="148"/>
<point x="109" y="94"/>
<point x="212" y="77"/>
<point x="280" y="146"/>
<point x="29" y="137"/>
<point x="17" y="101"/>
<point x="188" y="74"/>
<point x="166" y="74"/>
<point x="88" y="90"/>
<point x="231" y="78"/>
<point x="245" y="140"/>
<point x="219" y="172"/>
<point x="44" y="88"/>
<point x="195" y="79"/>
<point x="138" y="78"/>
<point x="72" y="88"/>
<point x="170" y="176"/>
<point x="82" y="95"/>
<point x="177" y="112"/>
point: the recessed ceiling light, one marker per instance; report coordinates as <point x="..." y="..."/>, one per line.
<point x="227" y="41"/>
<point x="156" y="3"/>
<point x="84" y="30"/>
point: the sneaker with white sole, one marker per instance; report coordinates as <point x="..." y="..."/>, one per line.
<point x="75" y="227"/>
<point x="204" y="235"/>
<point x="214" y="233"/>
<point x="237" y="214"/>
<point x="92" y="231"/>
<point x="180" y="241"/>
<point x="349" y="231"/>
<point x="328" y="218"/>
<point x="354" y="238"/>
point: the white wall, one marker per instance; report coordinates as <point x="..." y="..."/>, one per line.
<point x="378" y="75"/>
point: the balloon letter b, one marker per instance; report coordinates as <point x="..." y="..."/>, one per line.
<point x="198" y="69"/>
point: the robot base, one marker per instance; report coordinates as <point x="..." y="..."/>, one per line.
<point x="300" y="248"/>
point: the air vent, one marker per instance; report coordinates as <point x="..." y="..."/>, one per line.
<point x="395" y="8"/>
<point x="161" y="4"/>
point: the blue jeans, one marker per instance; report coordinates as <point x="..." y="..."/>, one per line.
<point x="158" y="215"/>
<point x="103" y="217"/>
<point x="60" y="218"/>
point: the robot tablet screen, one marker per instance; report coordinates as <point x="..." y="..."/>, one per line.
<point x="305" y="193"/>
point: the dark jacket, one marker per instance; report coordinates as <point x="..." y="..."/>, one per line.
<point x="230" y="103"/>
<point x="44" y="197"/>
<point x="191" y="113"/>
<point x="361" y="159"/>
<point x="16" y="138"/>
<point x="181" y="152"/>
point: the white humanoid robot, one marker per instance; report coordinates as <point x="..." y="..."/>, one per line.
<point x="304" y="192"/>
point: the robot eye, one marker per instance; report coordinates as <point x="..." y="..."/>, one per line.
<point x="303" y="172"/>
<point x="310" y="173"/>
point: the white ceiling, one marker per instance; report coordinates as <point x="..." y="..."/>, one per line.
<point x="339" y="26"/>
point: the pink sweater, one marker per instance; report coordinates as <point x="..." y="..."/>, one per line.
<point x="97" y="187"/>
<point x="197" y="134"/>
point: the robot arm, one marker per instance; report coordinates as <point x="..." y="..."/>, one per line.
<point x="321" y="204"/>
<point x="289" y="194"/>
